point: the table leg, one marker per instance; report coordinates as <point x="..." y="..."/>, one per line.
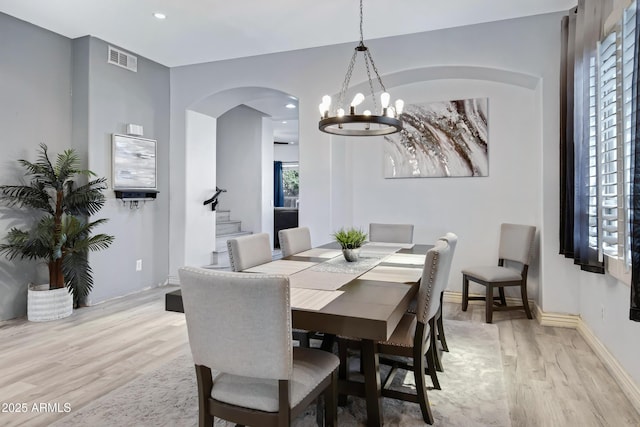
<point x="372" y="386"/>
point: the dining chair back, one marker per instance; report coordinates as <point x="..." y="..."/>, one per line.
<point x="249" y="251"/>
<point x="433" y="281"/>
<point x="514" y="253"/>
<point x="294" y="240"/>
<point x="391" y="233"/>
<point x="436" y="323"/>
<point x="259" y="379"/>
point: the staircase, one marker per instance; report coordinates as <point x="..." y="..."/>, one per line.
<point x="226" y="229"/>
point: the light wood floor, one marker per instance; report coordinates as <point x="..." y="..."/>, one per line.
<point x="552" y="377"/>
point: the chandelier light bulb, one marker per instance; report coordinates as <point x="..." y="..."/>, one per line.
<point x="384" y="99"/>
<point x="367" y="113"/>
<point x="322" y="109"/>
<point x="326" y="100"/>
<point x="340" y="112"/>
<point x="357" y="100"/>
<point x="399" y="106"/>
<point x="391" y="112"/>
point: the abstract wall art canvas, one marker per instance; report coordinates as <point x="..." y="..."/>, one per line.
<point x="440" y="139"/>
<point x="134" y="163"/>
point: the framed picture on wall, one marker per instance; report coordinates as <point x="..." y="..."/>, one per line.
<point x="134" y="163"/>
<point x="440" y="139"/>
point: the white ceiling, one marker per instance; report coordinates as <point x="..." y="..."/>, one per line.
<point x="197" y="31"/>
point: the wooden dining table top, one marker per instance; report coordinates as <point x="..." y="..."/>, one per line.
<point x="366" y="309"/>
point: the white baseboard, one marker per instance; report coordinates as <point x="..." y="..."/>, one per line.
<point x="559" y="320"/>
<point x="626" y="383"/>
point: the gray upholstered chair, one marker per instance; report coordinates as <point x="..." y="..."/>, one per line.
<point x="255" y="249"/>
<point x="516" y="242"/>
<point x="294" y="240"/>
<point x="249" y="251"/>
<point x="260" y="379"/>
<point x="437" y="323"/>
<point x="391" y="233"/>
<point x="411" y="337"/>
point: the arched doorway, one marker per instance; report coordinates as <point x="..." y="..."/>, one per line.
<point x="232" y="140"/>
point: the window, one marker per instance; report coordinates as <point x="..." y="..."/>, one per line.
<point x="610" y="142"/>
<point x="290" y="183"/>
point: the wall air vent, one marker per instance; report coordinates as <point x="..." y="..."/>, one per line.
<point x="122" y="59"/>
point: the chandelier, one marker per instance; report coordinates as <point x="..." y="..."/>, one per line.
<point x="338" y="121"/>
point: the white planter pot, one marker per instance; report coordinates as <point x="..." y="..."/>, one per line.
<point x="44" y="304"/>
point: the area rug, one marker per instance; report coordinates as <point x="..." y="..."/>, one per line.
<point x="473" y="392"/>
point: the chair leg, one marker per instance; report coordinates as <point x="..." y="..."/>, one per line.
<point x="205" y="384"/>
<point x="421" y="388"/>
<point x="343" y="369"/>
<point x="331" y="402"/>
<point x="525" y="300"/>
<point x="433" y="342"/>
<point x="503" y="300"/>
<point x="302" y="337"/>
<point x="489" y="304"/>
<point x="465" y="292"/>
<point x="440" y="326"/>
<point x="431" y="369"/>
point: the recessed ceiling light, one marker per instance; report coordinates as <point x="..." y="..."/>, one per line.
<point x="290" y="105"/>
<point x="284" y="122"/>
<point x="160" y="15"/>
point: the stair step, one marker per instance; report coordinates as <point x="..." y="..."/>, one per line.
<point x="221" y="240"/>
<point x="220" y="259"/>
<point x="227" y="227"/>
<point x="223" y="215"/>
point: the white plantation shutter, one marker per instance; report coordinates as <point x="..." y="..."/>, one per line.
<point x="613" y="121"/>
<point x="628" y="48"/>
<point x="607" y="153"/>
<point x="593" y="156"/>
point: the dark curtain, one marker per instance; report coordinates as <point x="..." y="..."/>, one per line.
<point x="634" y="313"/>
<point x="278" y="186"/>
<point x="581" y="32"/>
<point x="567" y="182"/>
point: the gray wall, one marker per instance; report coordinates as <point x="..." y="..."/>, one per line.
<point x="117" y="97"/>
<point x="35" y="107"/>
<point x="39" y="71"/>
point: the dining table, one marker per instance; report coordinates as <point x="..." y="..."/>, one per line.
<point x="364" y="299"/>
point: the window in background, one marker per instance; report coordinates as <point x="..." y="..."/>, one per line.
<point x="290" y="184"/>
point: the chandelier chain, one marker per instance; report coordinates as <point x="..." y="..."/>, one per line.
<point x="375" y="70"/>
<point x="361" y="32"/>
<point x="347" y="78"/>
<point x="366" y="63"/>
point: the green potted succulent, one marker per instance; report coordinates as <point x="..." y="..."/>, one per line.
<point x="61" y="235"/>
<point x="350" y="241"/>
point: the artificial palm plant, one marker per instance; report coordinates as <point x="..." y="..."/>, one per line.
<point x="62" y="235"/>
